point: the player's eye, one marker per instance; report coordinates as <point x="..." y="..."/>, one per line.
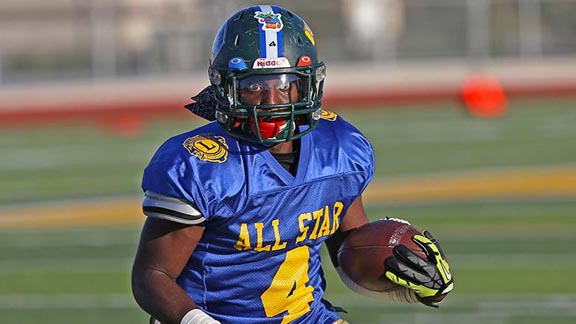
<point x="255" y="87"/>
<point x="283" y="86"/>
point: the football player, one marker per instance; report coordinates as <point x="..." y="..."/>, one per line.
<point x="238" y="208"/>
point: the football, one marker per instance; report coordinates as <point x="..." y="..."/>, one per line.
<point x="361" y="256"/>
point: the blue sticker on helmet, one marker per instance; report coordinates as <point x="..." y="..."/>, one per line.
<point x="237" y="63"/>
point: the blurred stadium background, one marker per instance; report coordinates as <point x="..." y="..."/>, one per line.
<point x="89" y="89"/>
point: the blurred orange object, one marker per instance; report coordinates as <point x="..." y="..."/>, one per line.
<point x="124" y="126"/>
<point x="484" y="96"/>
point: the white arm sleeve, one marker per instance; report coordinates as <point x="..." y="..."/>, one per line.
<point x="159" y="206"/>
<point x="402" y="294"/>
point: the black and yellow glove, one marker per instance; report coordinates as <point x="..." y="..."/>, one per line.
<point x="430" y="279"/>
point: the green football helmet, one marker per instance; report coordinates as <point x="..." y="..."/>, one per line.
<point x="266" y="76"/>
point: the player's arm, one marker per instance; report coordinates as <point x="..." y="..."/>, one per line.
<point x="169" y="236"/>
<point x="162" y="253"/>
<point x="355" y="217"/>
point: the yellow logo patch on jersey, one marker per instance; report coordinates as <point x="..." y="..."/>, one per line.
<point x="207" y="147"/>
<point x="328" y="115"/>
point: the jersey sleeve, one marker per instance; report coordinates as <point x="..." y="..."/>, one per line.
<point x="173" y="209"/>
<point x="170" y="189"/>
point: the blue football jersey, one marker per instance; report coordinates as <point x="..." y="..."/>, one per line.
<point x="259" y="258"/>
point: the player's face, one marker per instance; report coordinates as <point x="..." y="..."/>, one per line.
<point x="276" y="89"/>
<point x="269" y="89"/>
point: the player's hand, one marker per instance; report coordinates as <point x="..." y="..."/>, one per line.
<point x="430" y="279"/>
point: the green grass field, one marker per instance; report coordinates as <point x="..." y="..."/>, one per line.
<point x="513" y="258"/>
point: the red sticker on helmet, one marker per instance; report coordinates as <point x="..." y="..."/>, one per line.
<point x="304" y="61"/>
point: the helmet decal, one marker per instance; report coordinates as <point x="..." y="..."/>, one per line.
<point x="309" y="34"/>
<point x="269" y="20"/>
<point x="271" y="38"/>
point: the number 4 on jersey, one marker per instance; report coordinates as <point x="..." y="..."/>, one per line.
<point x="289" y="291"/>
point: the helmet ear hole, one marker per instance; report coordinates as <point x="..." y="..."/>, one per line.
<point x="237" y="40"/>
<point x="299" y="40"/>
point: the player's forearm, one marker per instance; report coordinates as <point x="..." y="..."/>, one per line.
<point x="160" y="296"/>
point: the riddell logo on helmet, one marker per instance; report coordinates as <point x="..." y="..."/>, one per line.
<point x="263" y="63"/>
